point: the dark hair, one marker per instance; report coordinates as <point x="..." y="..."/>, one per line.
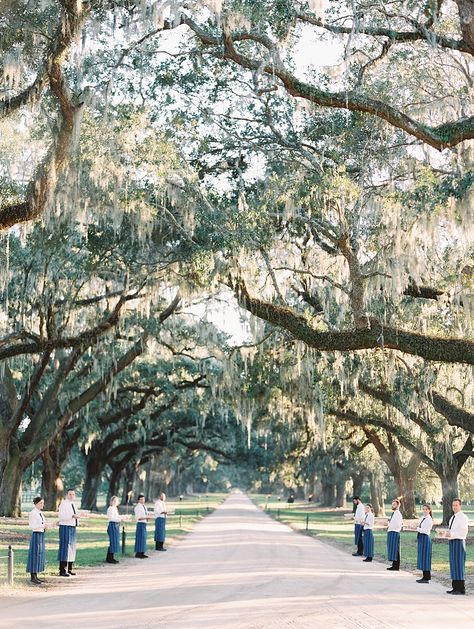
<point x="356" y="498"/>
<point x="457" y="500"/>
<point x="140" y="496"/>
<point x="367" y="504"/>
<point x="397" y="500"/>
<point x="37" y="499"/>
<point x="429" y="508"/>
<point x="70" y="489"/>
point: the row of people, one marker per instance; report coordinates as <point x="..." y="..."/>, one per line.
<point x="458" y="527"/>
<point x="69" y="517"/>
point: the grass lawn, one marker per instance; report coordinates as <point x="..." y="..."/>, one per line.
<point x="92" y="540"/>
<point x="330" y="526"/>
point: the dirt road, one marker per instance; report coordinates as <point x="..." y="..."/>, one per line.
<point x="240" y="569"/>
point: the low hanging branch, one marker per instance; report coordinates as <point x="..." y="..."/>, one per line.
<point x="434" y="348"/>
<point x="41" y="188"/>
<point x="440" y="137"/>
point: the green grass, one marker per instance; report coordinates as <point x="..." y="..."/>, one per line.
<point x="330" y="526"/>
<point x="92" y="539"/>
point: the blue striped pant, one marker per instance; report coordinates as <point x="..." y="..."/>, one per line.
<point x="140" y="537"/>
<point x="160" y="529"/>
<point x="358" y="528"/>
<point x="393" y="545"/>
<point x="457" y="559"/>
<point x="369" y="544"/>
<point x="67" y="543"/>
<point x="424" y="550"/>
<point x="113" y="531"/>
<point x="36" y="553"/>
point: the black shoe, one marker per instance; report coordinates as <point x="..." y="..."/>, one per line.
<point x="367" y="559"/>
<point x="357" y="554"/>
<point x="138" y="555"/>
<point x="64" y="574"/>
<point x="69" y="568"/>
<point x="162" y="549"/>
<point x="143" y="556"/>
<point x="393" y="568"/>
<point x="450" y="591"/>
<point x="115" y="561"/>
<point x="422" y="581"/>
<point x="36" y="581"/>
<point x="458" y="593"/>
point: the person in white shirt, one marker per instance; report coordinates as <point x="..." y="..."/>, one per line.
<point x="37" y="549"/>
<point x="394" y="528"/>
<point x="359" y="517"/>
<point x="68" y="521"/>
<point x="458" y="530"/>
<point x="368" y="536"/>
<point x="424" y="546"/>
<point x="113" y="530"/>
<point x="160" y="513"/>
<point x="141" y="517"/>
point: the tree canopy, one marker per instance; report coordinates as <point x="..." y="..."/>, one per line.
<point x="307" y="164"/>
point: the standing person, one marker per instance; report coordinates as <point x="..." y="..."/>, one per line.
<point x="113" y="530"/>
<point x="68" y="522"/>
<point x="424" y="548"/>
<point x="458" y="529"/>
<point x="368" y="535"/>
<point x="37" y="550"/>
<point x="359" y="519"/>
<point x="394" y="528"/>
<point x="141" y="516"/>
<point x="160" y="513"/>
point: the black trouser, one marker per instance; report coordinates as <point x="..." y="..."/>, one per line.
<point x="360" y="545"/>
<point x="396" y="564"/>
<point x="459" y="585"/>
<point x="427" y="575"/>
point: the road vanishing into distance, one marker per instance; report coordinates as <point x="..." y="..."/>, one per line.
<point x="239" y="568"/>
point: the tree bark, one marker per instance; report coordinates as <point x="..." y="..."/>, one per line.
<point x="341" y="493"/>
<point x="94" y="467"/>
<point x="450" y="489"/>
<point x="52" y="486"/>
<point x="376" y="494"/>
<point x="11" y="474"/>
<point x="357" y="483"/>
<point x="328" y="495"/>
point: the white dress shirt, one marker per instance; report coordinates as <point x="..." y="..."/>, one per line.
<point x="160" y="509"/>
<point x="396" y="521"/>
<point x="425" y="525"/>
<point x="458" y="526"/>
<point x="66" y="511"/>
<point x="359" y="515"/>
<point x="36" y="521"/>
<point x="140" y="512"/>
<point x="113" y="515"/>
<point x="369" y="520"/>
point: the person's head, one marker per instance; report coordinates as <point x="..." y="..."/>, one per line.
<point x="368" y="508"/>
<point x="356" y="500"/>
<point x="38" y="502"/>
<point x="70" y="494"/>
<point x="114" y="501"/>
<point x="162" y="496"/>
<point x="141" y="499"/>
<point x="395" y="504"/>
<point x="456" y="505"/>
<point x="427" y="510"/>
